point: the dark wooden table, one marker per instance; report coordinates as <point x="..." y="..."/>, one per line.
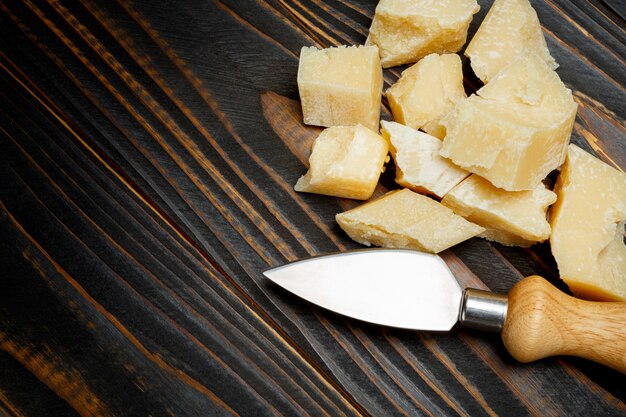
<point x="148" y="153"/>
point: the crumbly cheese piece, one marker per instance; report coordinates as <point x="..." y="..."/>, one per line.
<point x="513" y="218"/>
<point x="404" y="219"/>
<point x="516" y="130"/>
<point x="510" y="27"/>
<point x="340" y="86"/>
<point x="427" y="91"/>
<point x="588" y="227"/>
<point x="407" y="30"/>
<point x="418" y="163"/>
<point x="345" y="162"/>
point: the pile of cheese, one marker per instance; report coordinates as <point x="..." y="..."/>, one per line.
<point x="470" y="166"/>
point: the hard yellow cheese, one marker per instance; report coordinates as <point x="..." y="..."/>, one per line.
<point x="588" y="227"/>
<point x="404" y="219"/>
<point x="340" y="86"/>
<point x="406" y="30"/>
<point x="516" y="130"/>
<point x="510" y="27"/>
<point x="513" y="218"/>
<point x="426" y="91"/>
<point x="418" y="163"/>
<point x="345" y="162"/>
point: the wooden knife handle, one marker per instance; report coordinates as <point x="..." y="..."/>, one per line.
<point x="542" y="321"/>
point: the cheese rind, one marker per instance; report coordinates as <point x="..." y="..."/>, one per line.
<point x="588" y="227"/>
<point x="346" y="161"/>
<point x="427" y="91"/>
<point x="510" y="27"/>
<point x="418" y="163"/>
<point x="516" y="130"/>
<point x="404" y="219"/>
<point x="340" y="86"/>
<point x="513" y="218"/>
<point x="407" y="30"/>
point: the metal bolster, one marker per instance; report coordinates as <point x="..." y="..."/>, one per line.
<point x="483" y="310"/>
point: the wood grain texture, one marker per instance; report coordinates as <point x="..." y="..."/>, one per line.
<point x="542" y="321"/>
<point x="149" y="151"/>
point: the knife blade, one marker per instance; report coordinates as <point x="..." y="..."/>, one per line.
<point x="414" y="290"/>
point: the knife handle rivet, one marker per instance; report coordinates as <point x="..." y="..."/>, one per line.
<point x="483" y="310"/>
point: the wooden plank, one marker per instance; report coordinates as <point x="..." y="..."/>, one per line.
<point x="111" y="282"/>
<point x="148" y="156"/>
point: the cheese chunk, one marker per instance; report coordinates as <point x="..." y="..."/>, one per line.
<point x="345" y="162"/>
<point x="588" y="227"/>
<point x="510" y="27"/>
<point x="407" y="30"/>
<point x="340" y="86"/>
<point x="404" y="219"/>
<point x="418" y="163"/>
<point x="426" y="91"/>
<point x="516" y="130"/>
<point x="513" y="218"/>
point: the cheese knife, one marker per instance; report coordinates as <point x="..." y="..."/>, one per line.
<point x="414" y="290"/>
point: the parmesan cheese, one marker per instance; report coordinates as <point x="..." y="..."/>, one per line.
<point x="407" y="30"/>
<point x="513" y="218"/>
<point x="510" y="27"/>
<point x="404" y="219"/>
<point x="340" y="86"/>
<point x="345" y="162"/>
<point x="418" y="163"/>
<point x="515" y="131"/>
<point x="427" y="91"/>
<point x="588" y="227"/>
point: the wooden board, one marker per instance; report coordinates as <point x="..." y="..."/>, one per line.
<point x="148" y="153"/>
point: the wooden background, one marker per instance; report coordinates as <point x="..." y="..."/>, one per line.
<point x="148" y="153"/>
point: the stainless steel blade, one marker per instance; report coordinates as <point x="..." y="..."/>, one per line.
<point x="392" y="287"/>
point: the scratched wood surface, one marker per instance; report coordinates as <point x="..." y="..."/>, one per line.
<point x="148" y="152"/>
